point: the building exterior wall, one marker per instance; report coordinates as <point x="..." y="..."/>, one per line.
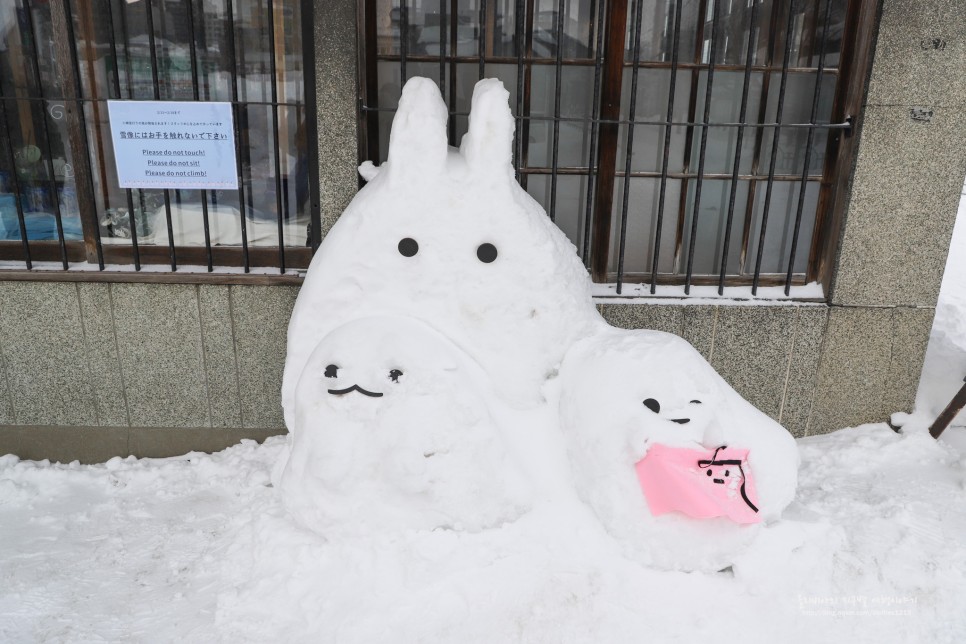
<point x="905" y="191"/>
<point x="93" y="370"/>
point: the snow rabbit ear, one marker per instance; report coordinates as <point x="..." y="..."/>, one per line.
<point x="488" y="144"/>
<point x="417" y="142"/>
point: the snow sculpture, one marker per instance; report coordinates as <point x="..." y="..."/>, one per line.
<point x="393" y="430"/>
<point x="449" y="237"/>
<point x="446" y="366"/>
<point x="623" y="392"/>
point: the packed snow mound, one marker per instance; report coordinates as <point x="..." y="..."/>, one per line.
<point x="393" y="431"/>
<point x="623" y="392"/>
<point x="421" y="380"/>
<point x="198" y="548"/>
<point x="448" y="236"/>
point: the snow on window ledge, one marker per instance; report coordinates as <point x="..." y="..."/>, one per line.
<point x="86" y="267"/>
<point x="811" y="293"/>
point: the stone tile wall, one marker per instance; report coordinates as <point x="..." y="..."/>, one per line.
<point x="106" y="363"/>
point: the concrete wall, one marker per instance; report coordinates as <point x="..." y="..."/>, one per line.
<point x="905" y="192"/>
<point x="94" y="370"/>
<point x="90" y="371"/>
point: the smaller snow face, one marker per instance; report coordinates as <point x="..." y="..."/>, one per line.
<point x="624" y="392"/>
<point x="393" y="431"/>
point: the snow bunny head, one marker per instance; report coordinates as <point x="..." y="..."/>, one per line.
<point x="392" y="430"/>
<point x="449" y="237"/>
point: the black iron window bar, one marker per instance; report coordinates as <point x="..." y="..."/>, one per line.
<point x="595" y="254"/>
<point x="66" y="47"/>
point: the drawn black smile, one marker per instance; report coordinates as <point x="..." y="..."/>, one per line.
<point x="349" y="390"/>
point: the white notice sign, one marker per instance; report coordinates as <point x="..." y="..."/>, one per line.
<point x="173" y="144"/>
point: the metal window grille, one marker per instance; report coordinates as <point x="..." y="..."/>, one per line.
<point x="708" y="140"/>
<point x="74" y="56"/>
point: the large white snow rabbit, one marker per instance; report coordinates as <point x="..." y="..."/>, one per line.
<point x="449" y="237"/>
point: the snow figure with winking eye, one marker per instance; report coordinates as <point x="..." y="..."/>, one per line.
<point x="675" y="464"/>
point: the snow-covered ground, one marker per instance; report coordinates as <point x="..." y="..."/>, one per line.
<point x="199" y="548"/>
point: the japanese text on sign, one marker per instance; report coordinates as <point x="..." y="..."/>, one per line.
<point x="170" y="144"/>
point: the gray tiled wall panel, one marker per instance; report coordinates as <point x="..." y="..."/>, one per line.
<point x="902" y="208"/>
<point x="910" y="335"/>
<point x="699" y="327"/>
<point x="336" y="63"/>
<point x="853" y="370"/>
<point x="44" y="354"/>
<point x="221" y="372"/>
<point x="105" y="365"/>
<point x="920" y="51"/>
<point x="261" y="315"/>
<point x="752" y="345"/>
<point x="806" y="353"/>
<point x="160" y="348"/>
<point x="6" y="405"/>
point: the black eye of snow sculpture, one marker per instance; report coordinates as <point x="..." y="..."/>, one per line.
<point x="331" y="371"/>
<point x="408" y="247"/>
<point x="394" y="375"/>
<point x="486" y="253"/>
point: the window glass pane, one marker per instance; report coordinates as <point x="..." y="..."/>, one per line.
<point x="797" y="109"/>
<point x="834" y="32"/>
<point x="573" y="144"/>
<point x="808" y="27"/>
<point x="734" y="22"/>
<point x="576" y="90"/>
<point x="652" y="94"/>
<point x="657" y="31"/>
<point x="577" y="29"/>
<point x="458" y="25"/>
<point x="781" y="226"/>
<point x="641" y="237"/>
<point x="726" y="108"/>
<point x="571" y="201"/>
<point x="733" y="31"/>
<point x="467" y="74"/>
<point x="43" y="166"/>
<point x="712" y="226"/>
